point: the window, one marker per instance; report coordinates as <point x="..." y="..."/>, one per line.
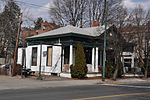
<point x="66" y="55"/>
<point x="49" y="56"/>
<point x="34" y="56"/>
<point x="88" y="55"/>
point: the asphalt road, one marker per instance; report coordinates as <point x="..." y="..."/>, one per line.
<point x="91" y="92"/>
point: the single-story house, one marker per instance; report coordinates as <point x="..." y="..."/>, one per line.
<point x="54" y="51"/>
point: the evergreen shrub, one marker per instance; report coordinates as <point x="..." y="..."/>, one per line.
<point x="79" y="70"/>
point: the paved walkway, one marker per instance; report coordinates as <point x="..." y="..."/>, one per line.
<point x="7" y="82"/>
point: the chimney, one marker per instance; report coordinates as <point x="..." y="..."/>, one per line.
<point x="95" y="23"/>
<point x="37" y="32"/>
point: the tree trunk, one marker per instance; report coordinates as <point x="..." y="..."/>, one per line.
<point x="145" y="73"/>
<point x="115" y="73"/>
<point x="118" y="69"/>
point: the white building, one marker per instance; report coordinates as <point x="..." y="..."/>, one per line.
<point x="54" y="51"/>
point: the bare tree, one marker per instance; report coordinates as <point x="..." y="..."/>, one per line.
<point x="80" y="12"/>
<point x="67" y="11"/>
<point x="114" y="8"/>
<point x="147" y="45"/>
<point x="137" y="33"/>
<point x="94" y="11"/>
<point x="137" y="18"/>
<point x="117" y="44"/>
<point x="120" y="19"/>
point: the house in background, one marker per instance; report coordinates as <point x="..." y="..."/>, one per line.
<point x="54" y="50"/>
<point x="140" y="37"/>
<point x="45" y="27"/>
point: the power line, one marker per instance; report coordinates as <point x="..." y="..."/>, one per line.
<point x="29" y="4"/>
<point x="32" y="5"/>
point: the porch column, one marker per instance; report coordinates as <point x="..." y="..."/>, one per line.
<point x="132" y="62"/>
<point x="62" y="59"/>
<point x="96" y="60"/>
<point x="71" y="56"/>
<point x="122" y="60"/>
<point x="101" y="58"/>
<point x="93" y="59"/>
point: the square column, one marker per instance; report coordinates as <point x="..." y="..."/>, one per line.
<point x="132" y="62"/>
<point x="93" y="59"/>
<point x="62" y="59"/>
<point x="122" y="60"/>
<point x="96" y="60"/>
<point x="71" y="56"/>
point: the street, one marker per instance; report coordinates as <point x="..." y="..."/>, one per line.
<point x="138" y="91"/>
<point x="74" y="49"/>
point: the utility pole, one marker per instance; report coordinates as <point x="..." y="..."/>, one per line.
<point x="16" y="47"/>
<point x="23" y="56"/>
<point x="104" y="50"/>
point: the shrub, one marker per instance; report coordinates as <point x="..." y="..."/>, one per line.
<point x="74" y="72"/>
<point x="79" y="70"/>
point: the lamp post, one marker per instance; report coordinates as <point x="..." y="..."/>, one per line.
<point x="104" y="50"/>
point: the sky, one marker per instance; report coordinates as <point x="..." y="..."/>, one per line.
<point x="39" y="8"/>
<point x="130" y="4"/>
<point x="32" y="9"/>
<point x="42" y="11"/>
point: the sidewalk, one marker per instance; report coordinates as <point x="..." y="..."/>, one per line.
<point x="7" y="82"/>
<point x="126" y="81"/>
